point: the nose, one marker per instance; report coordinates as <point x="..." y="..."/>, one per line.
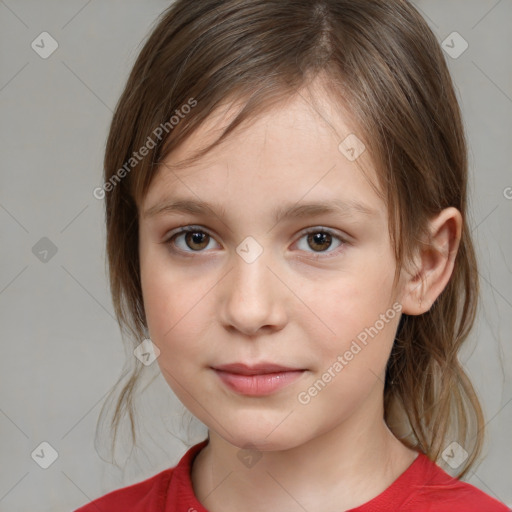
<point x="253" y="296"/>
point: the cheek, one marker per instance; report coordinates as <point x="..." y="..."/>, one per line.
<point x="176" y="307"/>
<point x="175" y="317"/>
<point x="350" y="363"/>
<point x="356" y="310"/>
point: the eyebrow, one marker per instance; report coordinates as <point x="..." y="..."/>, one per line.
<point x="311" y="209"/>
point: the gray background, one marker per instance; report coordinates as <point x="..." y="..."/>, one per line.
<point x="62" y="350"/>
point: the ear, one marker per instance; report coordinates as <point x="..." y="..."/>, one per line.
<point x="433" y="263"/>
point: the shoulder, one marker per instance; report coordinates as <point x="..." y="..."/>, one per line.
<point x="145" y="496"/>
<point x="437" y="491"/>
<point x="168" y="490"/>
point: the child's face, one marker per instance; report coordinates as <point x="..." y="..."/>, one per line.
<point x="301" y="303"/>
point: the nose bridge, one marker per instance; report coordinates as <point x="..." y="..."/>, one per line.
<point x="251" y="272"/>
<point x="251" y="298"/>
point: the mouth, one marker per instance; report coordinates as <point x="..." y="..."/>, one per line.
<point x="257" y="380"/>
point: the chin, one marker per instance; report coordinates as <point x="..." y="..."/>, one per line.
<point x="252" y="432"/>
<point x="259" y="442"/>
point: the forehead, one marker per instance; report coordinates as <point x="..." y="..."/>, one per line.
<point x="289" y="151"/>
<point x="313" y="108"/>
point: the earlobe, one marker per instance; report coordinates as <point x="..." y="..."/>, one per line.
<point x="433" y="263"/>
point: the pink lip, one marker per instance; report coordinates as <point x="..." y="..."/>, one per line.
<point x="257" y="380"/>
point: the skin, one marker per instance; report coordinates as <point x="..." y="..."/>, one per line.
<point x="298" y="304"/>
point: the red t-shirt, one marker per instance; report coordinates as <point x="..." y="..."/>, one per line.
<point x="422" y="487"/>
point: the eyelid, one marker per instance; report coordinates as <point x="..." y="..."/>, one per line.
<point x="316" y="229"/>
<point x="185" y="229"/>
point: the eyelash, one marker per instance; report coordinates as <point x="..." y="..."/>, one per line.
<point x="197" y="229"/>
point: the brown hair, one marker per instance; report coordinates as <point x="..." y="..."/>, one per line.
<point x="381" y="60"/>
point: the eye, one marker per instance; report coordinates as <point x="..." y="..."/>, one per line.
<point x="321" y="239"/>
<point x="190" y="239"/>
<point x="194" y="238"/>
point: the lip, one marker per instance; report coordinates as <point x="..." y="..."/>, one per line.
<point x="257" y="380"/>
<point x="255" y="369"/>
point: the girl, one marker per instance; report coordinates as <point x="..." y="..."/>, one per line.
<point x="285" y="190"/>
